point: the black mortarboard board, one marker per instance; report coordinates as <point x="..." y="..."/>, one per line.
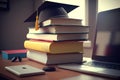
<point x="64" y="9"/>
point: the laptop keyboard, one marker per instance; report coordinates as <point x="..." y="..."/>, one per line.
<point x="103" y="65"/>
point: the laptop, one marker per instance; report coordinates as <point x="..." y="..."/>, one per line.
<point x="24" y="70"/>
<point x="105" y="59"/>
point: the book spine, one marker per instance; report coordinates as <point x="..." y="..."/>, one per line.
<point x="46" y="58"/>
<point x="59" y="37"/>
<point x="32" y="30"/>
<point x="60" y="21"/>
<point x="55" y="47"/>
<point x="7" y="56"/>
<point x="37" y="56"/>
<point x="60" y="29"/>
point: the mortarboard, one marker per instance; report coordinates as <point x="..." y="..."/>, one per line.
<point x="50" y="9"/>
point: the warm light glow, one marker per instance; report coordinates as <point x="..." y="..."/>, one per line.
<point x="79" y="12"/>
<point x="108" y="4"/>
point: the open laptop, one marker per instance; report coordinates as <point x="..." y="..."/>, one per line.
<point x="105" y="59"/>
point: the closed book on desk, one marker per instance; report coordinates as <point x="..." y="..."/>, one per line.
<point x="62" y="21"/>
<point x="60" y="29"/>
<point x="9" y="54"/>
<point x="58" y="37"/>
<point x="47" y="58"/>
<point x="55" y="47"/>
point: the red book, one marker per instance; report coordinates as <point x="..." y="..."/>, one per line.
<point x="9" y="54"/>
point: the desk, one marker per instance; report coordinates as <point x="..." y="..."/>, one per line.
<point x="60" y="74"/>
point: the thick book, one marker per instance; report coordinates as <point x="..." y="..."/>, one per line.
<point x="62" y="21"/>
<point x="54" y="47"/>
<point x="47" y="58"/>
<point x="60" y="29"/>
<point x="9" y="54"/>
<point x="58" y="37"/>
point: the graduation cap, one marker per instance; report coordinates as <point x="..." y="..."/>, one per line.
<point x="50" y="9"/>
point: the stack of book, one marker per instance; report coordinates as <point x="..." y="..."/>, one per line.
<point x="59" y="40"/>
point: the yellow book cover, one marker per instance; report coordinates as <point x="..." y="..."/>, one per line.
<point x="54" y="47"/>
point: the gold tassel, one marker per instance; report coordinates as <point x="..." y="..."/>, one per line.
<point x="37" y="22"/>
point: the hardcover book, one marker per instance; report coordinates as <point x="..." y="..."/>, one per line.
<point x="58" y="37"/>
<point x="47" y="58"/>
<point x="54" y="47"/>
<point x="62" y="21"/>
<point x="9" y="54"/>
<point x="60" y="29"/>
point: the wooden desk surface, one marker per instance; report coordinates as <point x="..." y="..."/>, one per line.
<point x="59" y="74"/>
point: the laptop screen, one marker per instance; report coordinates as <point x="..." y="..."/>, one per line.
<point x="107" y="38"/>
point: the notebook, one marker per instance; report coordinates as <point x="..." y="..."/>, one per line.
<point x="24" y="70"/>
<point x="105" y="59"/>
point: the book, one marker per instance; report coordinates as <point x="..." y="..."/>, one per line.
<point x="54" y="47"/>
<point x="58" y="37"/>
<point x="61" y="21"/>
<point x="47" y="58"/>
<point x="60" y="29"/>
<point x="24" y="70"/>
<point x="9" y="54"/>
